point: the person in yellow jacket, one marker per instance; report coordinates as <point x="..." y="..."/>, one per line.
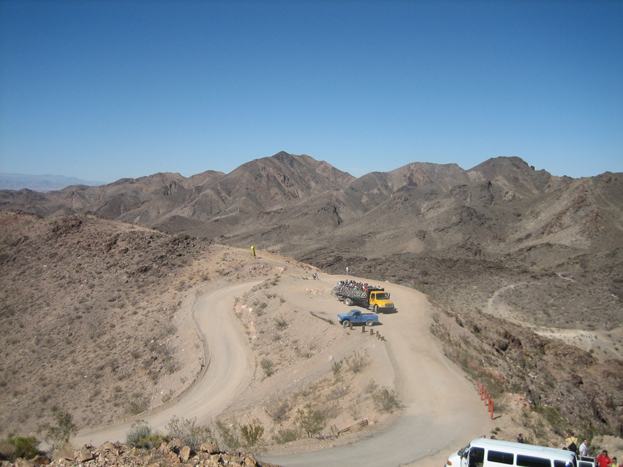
<point x="253" y="251"/>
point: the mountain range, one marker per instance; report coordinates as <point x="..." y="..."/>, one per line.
<point x="288" y="202"/>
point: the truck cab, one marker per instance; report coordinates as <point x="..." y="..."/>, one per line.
<point x="355" y="316"/>
<point x="379" y="301"/>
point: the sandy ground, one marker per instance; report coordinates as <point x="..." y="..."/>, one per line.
<point x="441" y="409"/>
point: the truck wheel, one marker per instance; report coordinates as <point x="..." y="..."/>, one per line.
<point x="346" y="323"/>
<point x="376" y="308"/>
<point x="349" y="302"/>
<point x="370" y="323"/>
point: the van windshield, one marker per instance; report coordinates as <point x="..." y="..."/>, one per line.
<point x="463" y="451"/>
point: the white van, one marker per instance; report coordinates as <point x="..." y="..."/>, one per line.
<point x="584" y="461"/>
<point x="484" y="452"/>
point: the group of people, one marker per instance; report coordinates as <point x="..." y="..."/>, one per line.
<point x="353" y="288"/>
<point x="571" y="444"/>
<point x="355" y="285"/>
<point x="602" y="460"/>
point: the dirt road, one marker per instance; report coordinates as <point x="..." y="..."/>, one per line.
<point x="229" y="369"/>
<point x="442" y="410"/>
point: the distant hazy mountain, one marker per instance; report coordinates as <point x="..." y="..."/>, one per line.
<point x="40" y="183"/>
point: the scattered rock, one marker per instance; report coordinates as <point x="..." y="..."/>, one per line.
<point x="185" y="454"/>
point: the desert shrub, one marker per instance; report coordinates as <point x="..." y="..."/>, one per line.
<point x="14" y="447"/>
<point x="278" y="409"/>
<point x="139" y="430"/>
<point x="138" y="405"/>
<point x="152" y="441"/>
<point x="59" y="435"/>
<point x="168" y="396"/>
<point x="385" y="399"/>
<point x="336" y="368"/>
<point x="188" y="431"/>
<point x="268" y="366"/>
<point x="281" y="322"/>
<point x="357" y="362"/>
<point x="252" y="432"/>
<point x="286" y="436"/>
<point x="553" y="417"/>
<point x="228" y="437"/>
<point x="339" y="392"/>
<point x="371" y="387"/>
<point x="168" y="329"/>
<point x="310" y="421"/>
<point x="354" y="410"/>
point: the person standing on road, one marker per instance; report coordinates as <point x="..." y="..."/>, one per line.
<point x="584" y="448"/>
<point x="615" y="462"/>
<point x="572" y="443"/>
<point x="520" y="438"/>
<point x="603" y="460"/>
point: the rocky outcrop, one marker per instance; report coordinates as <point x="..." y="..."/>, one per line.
<point x="120" y="455"/>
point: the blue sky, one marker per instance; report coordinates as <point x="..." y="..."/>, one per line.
<point x="103" y="90"/>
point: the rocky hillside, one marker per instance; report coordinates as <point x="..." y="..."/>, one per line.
<point x="87" y="317"/>
<point x="497" y="320"/>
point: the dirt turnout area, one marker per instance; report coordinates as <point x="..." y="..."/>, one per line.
<point x="274" y="347"/>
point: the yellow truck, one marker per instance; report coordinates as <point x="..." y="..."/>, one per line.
<point x="373" y="298"/>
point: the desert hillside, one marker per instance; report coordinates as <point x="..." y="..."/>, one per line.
<point x="98" y="319"/>
<point x="523" y="270"/>
<point x="89" y="317"/>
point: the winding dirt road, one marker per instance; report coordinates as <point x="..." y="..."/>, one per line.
<point x="229" y="369"/>
<point x="442" y="411"/>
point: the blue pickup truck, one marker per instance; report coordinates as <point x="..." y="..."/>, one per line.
<point x="357" y="317"/>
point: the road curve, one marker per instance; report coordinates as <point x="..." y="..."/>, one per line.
<point x="230" y="366"/>
<point x="442" y="409"/>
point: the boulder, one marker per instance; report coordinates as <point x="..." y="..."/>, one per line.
<point x="86" y="456"/>
<point x="185" y="454"/>
<point x="19" y="462"/>
<point x="41" y="460"/>
<point x="64" y="454"/>
<point x="164" y="448"/>
<point x="107" y="446"/>
<point x="210" y="448"/>
<point x="176" y="445"/>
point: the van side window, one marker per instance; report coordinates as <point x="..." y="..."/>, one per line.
<point x="530" y="461"/>
<point x="572" y="464"/>
<point x="476" y="457"/>
<point x="502" y="457"/>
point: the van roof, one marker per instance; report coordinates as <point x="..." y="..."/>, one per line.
<point x="523" y="448"/>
